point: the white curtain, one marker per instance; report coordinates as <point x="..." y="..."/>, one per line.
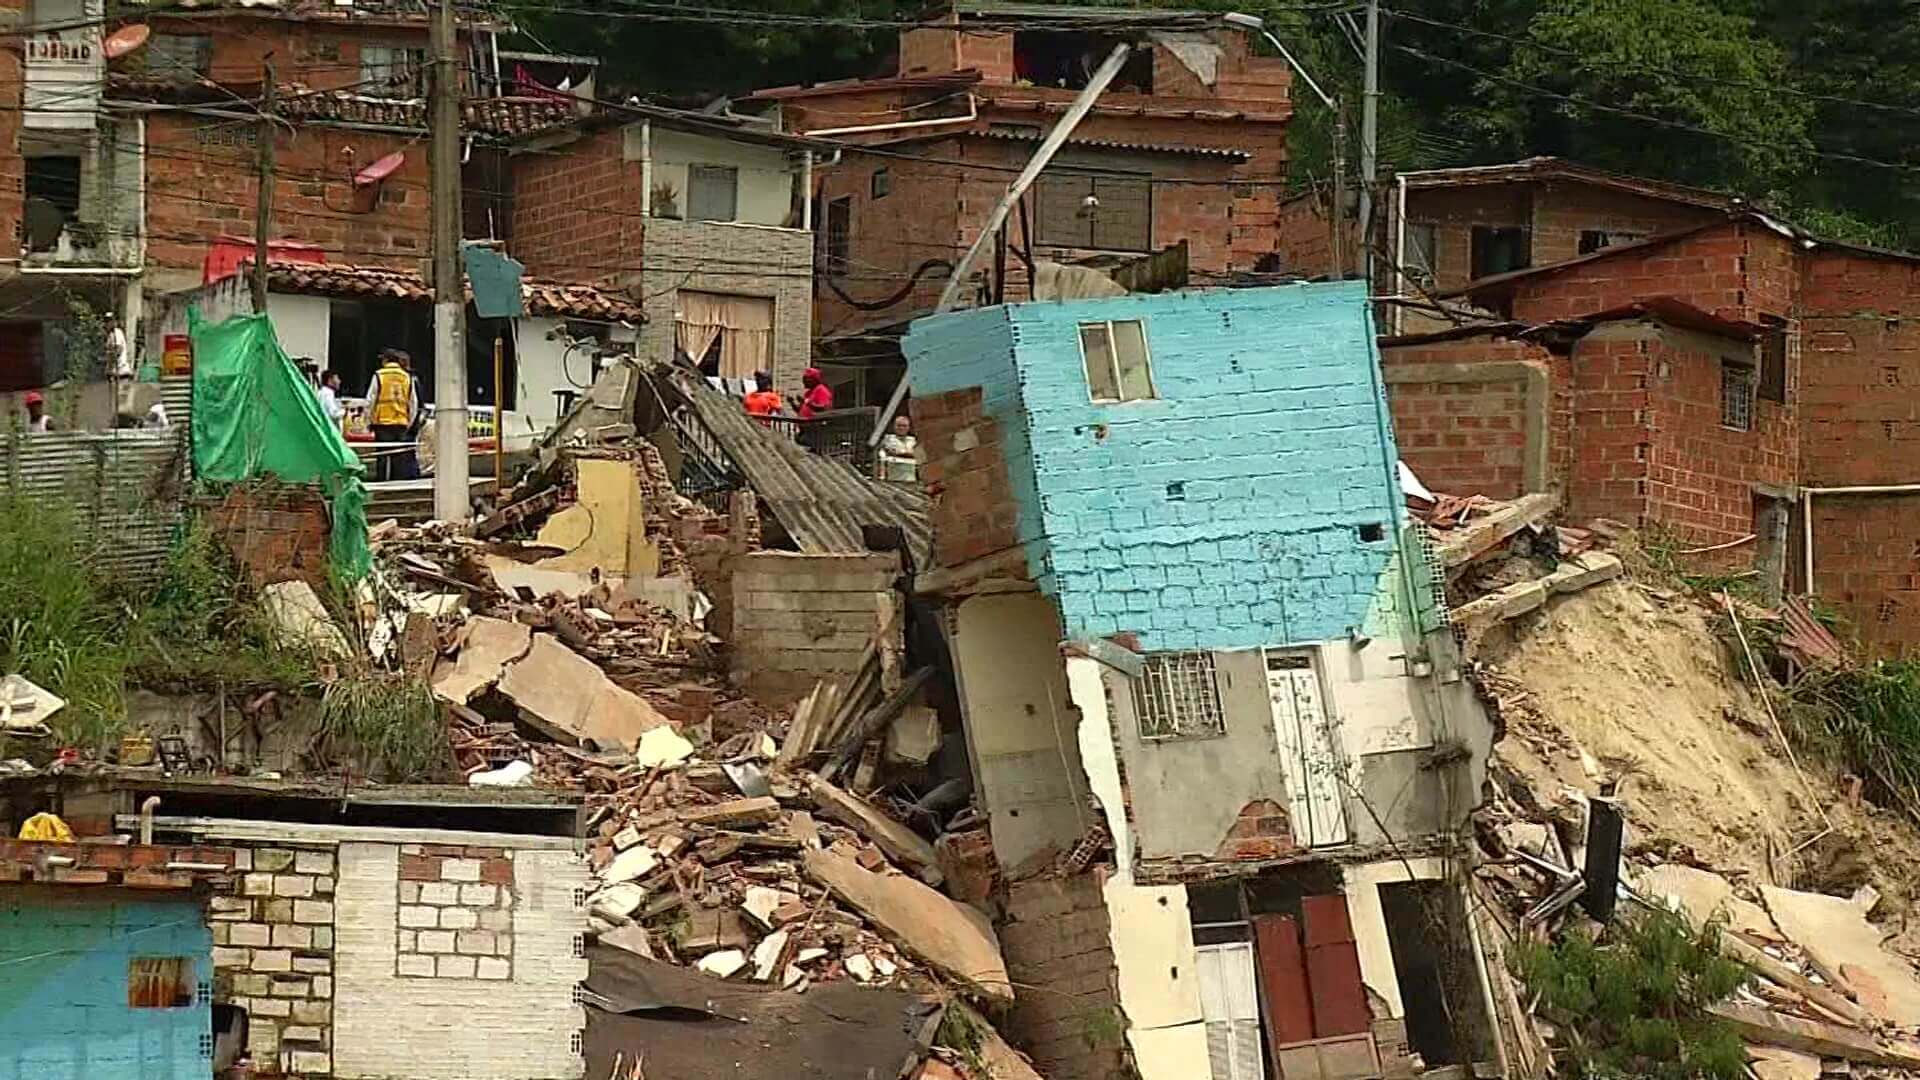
<point x="742" y="324"/>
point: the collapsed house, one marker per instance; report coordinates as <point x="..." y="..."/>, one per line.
<point x="1190" y="620"/>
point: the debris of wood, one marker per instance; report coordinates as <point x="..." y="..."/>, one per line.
<point x="957" y="940"/>
<point x="900" y="843"/>
<point x="1847" y="948"/>
<point x="1770" y="1028"/>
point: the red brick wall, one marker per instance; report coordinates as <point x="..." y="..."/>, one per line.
<point x="1867" y="563"/>
<point x="1860" y="371"/>
<point x="1701" y="473"/>
<point x="1301" y="236"/>
<point x="576" y="210"/>
<point x="974" y="511"/>
<point x="892" y="235"/>
<point x="1466" y="438"/>
<point x="12" y="88"/>
<point x="1612" y="438"/>
<point x="1739" y="271"/>
<point x="202" y="183"/>
<point x="318" y="54"/>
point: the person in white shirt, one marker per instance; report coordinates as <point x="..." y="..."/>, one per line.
<point x="900" y="452"/>
<point x="156" y="419"/>
<point x="118" y="361"/>
<point x="38" y="422"/>
<point x="330" y="397"/>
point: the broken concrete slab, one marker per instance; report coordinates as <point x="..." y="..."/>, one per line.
<point x="760" y="903"/>
<point x="1703" y="894"/>
<point x="630" y="865"/>
<point x="1584" y="570"/>
<point x="914" y="736"/>
<point x="617" y="903"/>
<point x="1780" y="1063"/>
<point x="301" y="621"/>
<point x="901" y="844"/>
<point x="724" y="964"/>
<point x="1461" y="546"/>
<point x="513" y="576"/>
<point x="766" y="955"/>
<point x="952" y="937"/>
<point x="1836" y="935"/>
<point x="25" y="706"/>
<point x="633" y="939"/>
<point x="661" y="746"/>
<point x="488" y="647"/>
<point x="570" y="700"/>
<point x="712" y="929"/>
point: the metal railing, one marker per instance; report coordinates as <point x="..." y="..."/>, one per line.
<point x="840" y="435"/>
<point x="708" y="475"/>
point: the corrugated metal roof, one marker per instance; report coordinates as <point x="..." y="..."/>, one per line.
<point x="1185" y="149"/>
<point x="822" y="503"/>
<point x="126" y="487"/>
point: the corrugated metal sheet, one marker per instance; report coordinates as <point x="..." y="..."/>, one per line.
<point x="126" y="487"/>
<point x="822" y="503"/>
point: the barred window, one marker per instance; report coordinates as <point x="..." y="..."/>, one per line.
<point x="1178" y="697"/>
<point x="1736" y="395"/>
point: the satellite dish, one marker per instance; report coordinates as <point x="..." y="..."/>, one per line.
<point x="126" y="40"/>
<point x="380" y="170"/>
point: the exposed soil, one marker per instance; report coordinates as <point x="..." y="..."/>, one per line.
<point x="1630" y="686"/>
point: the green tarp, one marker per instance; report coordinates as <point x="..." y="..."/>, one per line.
<point x="254" y="414"/>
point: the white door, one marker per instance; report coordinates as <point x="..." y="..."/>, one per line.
<point x="1230" y="1001"/>
<point x="1307" y="756"/>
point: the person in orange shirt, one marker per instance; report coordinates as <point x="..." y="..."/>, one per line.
<point x="818" y="397"/>
<point x="762" y="401"/>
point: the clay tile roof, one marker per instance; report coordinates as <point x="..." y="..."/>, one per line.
<point x="1187" y="149"/>
<point x="551" y="298"/>
<point x="502" y="117"/>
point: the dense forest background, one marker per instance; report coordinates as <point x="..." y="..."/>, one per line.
<point x="1809" y="106"/>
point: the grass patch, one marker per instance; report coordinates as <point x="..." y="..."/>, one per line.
<point x="1632" y="1002"/>
<point x="392" y="722"/>
<point x="1866" y="718"/>
<point x="203" y="626"/>
<point x="1653" y="554"/>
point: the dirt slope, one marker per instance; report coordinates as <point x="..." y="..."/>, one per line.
<point x="1621" y="684"/>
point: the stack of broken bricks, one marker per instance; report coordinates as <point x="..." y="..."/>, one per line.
<point x="1825" y="995"/>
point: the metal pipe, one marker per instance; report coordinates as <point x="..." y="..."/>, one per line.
<point x="973" y="113"/>
<point x="1400" y="252"/>
<point x="646" y="168"/>
<point x="147" y="807"/>
<point x="806" y="190"/>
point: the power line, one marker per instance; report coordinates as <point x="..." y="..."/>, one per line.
<point x="638" y="11"/>
<point x="1677" y="73"/>
<point x="1649" y="118"/>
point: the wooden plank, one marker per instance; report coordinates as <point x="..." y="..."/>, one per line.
<point x="848" y="745"/>
<point x="1770" y="1028"/>
<point x="901" y="844"/>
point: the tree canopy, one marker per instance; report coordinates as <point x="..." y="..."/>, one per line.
<point x="1812" y="106"/>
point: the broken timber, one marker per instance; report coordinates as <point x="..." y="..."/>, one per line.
<point x="901" y="844"/>
<point x="1759" y="1025"/>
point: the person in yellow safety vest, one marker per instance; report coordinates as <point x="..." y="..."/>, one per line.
<point x="393" y="407"/>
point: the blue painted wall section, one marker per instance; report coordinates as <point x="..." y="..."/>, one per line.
<point x="64" y="955"/>
<point x="1227" y="512"/>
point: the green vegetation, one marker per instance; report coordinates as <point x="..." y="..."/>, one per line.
<point x="1867" y="719"/>
<point x="1632" y="1002"/>
<point x="392" y="722"/>
<point x="1781" y="101"/>
<point x="75" y="627"/>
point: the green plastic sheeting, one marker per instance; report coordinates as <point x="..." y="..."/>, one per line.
<point x="254" y="414"/>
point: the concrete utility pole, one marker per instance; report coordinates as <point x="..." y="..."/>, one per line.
<point x="450" y="490"/>
<point x="1062" y="129"/>
<point x="1370" y="137"/>
<point x="263" y="207"/>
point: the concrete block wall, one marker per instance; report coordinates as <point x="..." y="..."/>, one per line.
<point x="456" y="912"/>
<point x="1476" y="416"/>
<point x="1229" y="511"/>
<point x="452" y="1027"/>
<point x="1056" y="936"/>
<point x="273" y="955"/>
<point x="723" y="257"/>
<point x="798" y="617"/>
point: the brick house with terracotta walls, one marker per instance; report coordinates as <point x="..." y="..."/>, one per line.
<point x="700" y="218"/>
<point x="1187" y="146"/>
<point x="1468" y="223"/>
<point x="1718" y="380"/>
<point x="134" y="148"/>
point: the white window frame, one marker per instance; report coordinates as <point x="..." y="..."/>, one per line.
<point x="1228" y="974"/>
<point x="1164" y="704"/>
<point x="1113" y="360"/>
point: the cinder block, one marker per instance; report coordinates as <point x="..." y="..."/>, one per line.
<point x="412" y="964"/>
<point x="272" y="1008"/>
<point x="419" y="918"/>
<point x="257" y="885"/>
<point x="271" y="960"/>
<point x="258" y="935"/>
<point x="454" y="967"/>
<point x="293" y="885"/>
<point x="272" y="860"/>
<point x="323" y="986"/>
<point x="313" y="862"/>
<point x="492" y="967"/>
<point x="287" y="936"/>
<point x="313" y="911"/>
<point x="291" y="988"/>
<point x="263" y="1039"/>
<point x="455" y="918"/>
<point x="301" y="1033"/>
<point x="459" y="870"/>
<point x="313" y="965"/>
<point x="475" y="942"/>
<point x="231" y="958"/>
<point x="435" y="941"/>
<point x="482" y="896"/>
<point x="323" y="937"/>
<point x="308" y="1062"/>
<point x="312" y="1012"/>
<point x="439" y="893"/>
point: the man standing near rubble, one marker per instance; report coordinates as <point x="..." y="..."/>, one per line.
<point x="393" y="406"/>
<point x="763" y="400"/>
<point x="817" y="397"/>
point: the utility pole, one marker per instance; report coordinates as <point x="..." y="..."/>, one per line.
<point x="450" y="490"/>
<point x="1369" y="137"/>
<point x="1337" y="241"/>
<point x="263" y="207"/>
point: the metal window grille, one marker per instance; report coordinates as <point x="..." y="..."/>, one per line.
<point x="1736" y="396"/>
<point x="1178" y="697"/>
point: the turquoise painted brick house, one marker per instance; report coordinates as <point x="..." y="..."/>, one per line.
<point x="1206" y="469"/>
<point x="104" y="984"/>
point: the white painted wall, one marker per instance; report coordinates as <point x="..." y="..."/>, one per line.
<point x="545" y="365"/>
<point x="457" y="1029"/>
<point x="1370" y="921"/>
<point x="766" y="175"/>
<point x="302" y="324"/>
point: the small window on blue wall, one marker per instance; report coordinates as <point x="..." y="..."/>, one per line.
<point x="1115" y="354"/>
<point x="159" y="982"/>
